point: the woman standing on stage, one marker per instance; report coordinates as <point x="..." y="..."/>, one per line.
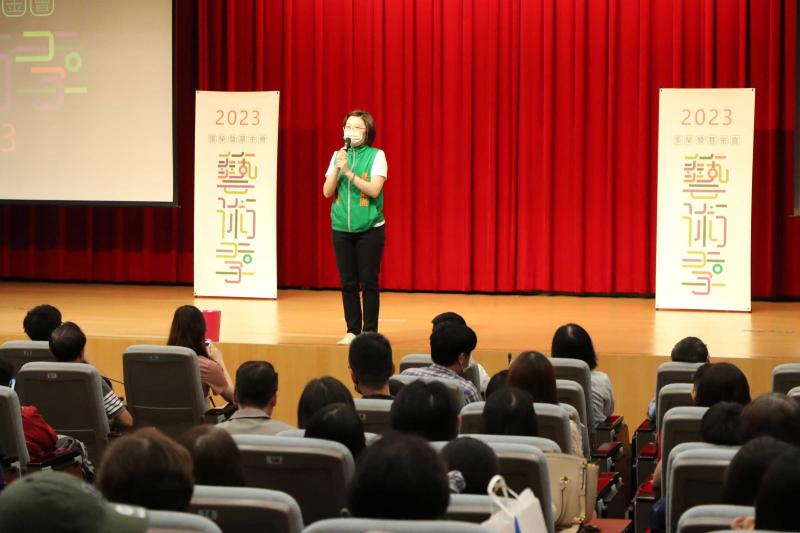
<point x="355" y="179"/>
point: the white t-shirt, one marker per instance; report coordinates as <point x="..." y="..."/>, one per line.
<point x="379" y="165"/>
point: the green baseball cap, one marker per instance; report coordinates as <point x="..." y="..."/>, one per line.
<point x="57" y="502"/>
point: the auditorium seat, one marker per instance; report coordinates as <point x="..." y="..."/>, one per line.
<point x="454" y="387"/>
<point x="365" y="525"/>
<point x="415" y="360"/>
<point x="246" y="509"/>
<point x="70" y="397"/>
<point x="370" y="438"/>
<point x="579" y="372"/>
<point x="706" y="518"/>
<point x="163" y="389"/>
<point x="374" y="414"/>
<point x="785" y="377"/>
<point x="571" y="393"/>
<point x="314" y="472"/>
<point x="673" y="395"/>
<point x="20" y="352"/>
<point x="680" y="425"/>
<point x="546" y="445"/>
<point x="174" y="522"/>
<point x="794" y="392"/>
<point x="473" y="508"/>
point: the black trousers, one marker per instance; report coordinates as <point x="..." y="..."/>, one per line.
<point x="358" y="256"/>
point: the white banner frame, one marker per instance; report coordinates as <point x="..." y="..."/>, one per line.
<point x="705" y="177"/>
<point x="235" y="194"/>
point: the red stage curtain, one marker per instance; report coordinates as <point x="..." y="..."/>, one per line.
<point x="521" y="138"/>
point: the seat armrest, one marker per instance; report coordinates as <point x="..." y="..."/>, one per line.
<point x="649" y="452"/>
<point x="607" y="450"/>
<point x="647" y="425"/>
<point x="56" y="459"/>
<point x="612" y="423"/>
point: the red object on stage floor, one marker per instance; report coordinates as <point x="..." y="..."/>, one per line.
<point x="213" y="320"/>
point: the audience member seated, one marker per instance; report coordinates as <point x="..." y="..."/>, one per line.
<point x="720" y="382"/>
<point x="510" y="411"/>
<point x="451" y="346"/>
<point x="744" y="473"/>
<point x="427" y="410"/>
<point x="572" y="341"/>
<point x="215" y="457"/>
<point x="686" y="350"/>
<point x="497" y="382"/>
<point x="68" y="343"/>
<point x="55" y="502"/>
<point x="720" y="424"/>
<point x="474" y="460"/>
<point x="317" y="394"/>
<point x="776" y="502"/>
<point x="338" y="422"/>
<point x="370" y="360"/>
<point x="148" y="469"/>
<point x="188" y="329"/>
<point x="399" y="477"/>
<point x="256" y="394"/>
<point x="533" y="373"/>
<point x="40" y="322"/>
<point x="455" y="318"/>
<point x="772" y="414"/>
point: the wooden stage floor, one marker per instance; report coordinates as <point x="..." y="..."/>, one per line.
<point x="297" y="332"/>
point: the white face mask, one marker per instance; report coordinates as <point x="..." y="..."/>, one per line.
<point x="356" y="136"/>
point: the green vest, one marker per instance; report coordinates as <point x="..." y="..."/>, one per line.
<point x="353" y="211"/>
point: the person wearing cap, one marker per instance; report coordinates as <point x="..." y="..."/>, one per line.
<point x="56" y="502"/>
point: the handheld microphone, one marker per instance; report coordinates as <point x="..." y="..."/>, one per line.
<point x="347" y="143"/>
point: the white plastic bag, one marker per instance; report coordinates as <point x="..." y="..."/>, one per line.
<point x="517" y="513"/>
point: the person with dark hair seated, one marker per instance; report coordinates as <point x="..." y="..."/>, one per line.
<point x="256" y="394"/>
<point x="149" y="469"/>
<point x="68" y="343"/>
<point x="427" y="410"/>
<point x="720" y="424"/>
<point x="476" y="462"/>
<point x="215" y="456"/>
<point x="451" y="347"/>
<point x="370" y="360"/>
<point x="510" y="411"/>
<point x="573" y="342"/>
<point x="746" y="469"/>
<point x="340" y="423"/>
<point x="686" y="350"/>
<point x="776" y="501"/>
<point x="40" y="322"/>
<point x="399" y="477"/>
<point x="497" y="382"/>
<point x="317" y="394"/>
<point x="772" y="414"/>
<point x="720" y="382"/>
<point x="455" y="318"/>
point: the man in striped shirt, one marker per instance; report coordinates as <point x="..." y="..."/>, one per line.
<point x="67" y="343"/>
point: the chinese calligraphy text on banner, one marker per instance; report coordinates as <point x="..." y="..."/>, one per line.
<point x="705" y="175"/>
<point x="236" y="154"/>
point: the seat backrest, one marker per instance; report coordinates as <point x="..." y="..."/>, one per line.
<point x="70" y="397"/>
<point x="794" y="392"/>
<point x="374" y="414"/>
<point x="546" y="445"/>
<point x="673" y="395"/>
<point x="369" y="438"/>
<point x="240" y="509"/>
<point x="314" y="472"/>
<point x="695" y="477"/>
<point x="578" y="371"/>
<point x="680" y="424"/>
<point x="12" y="437"/>
<point x="553" y="422"/>
<point x="705" y="518"/>
<point x="454" y="387"/>
<point x="163" y="389"/>
<point x="473" y="508"/>
<point x="785" y="377"/>
<point x="415" y="360"/>
<point x="571" y="393"/>
<point x="19" y="353"/>
<point x="675" y="372"/>
<point x="174" y="522"/>
<point x="364" y="525"/>
<point x="472" y="418"/>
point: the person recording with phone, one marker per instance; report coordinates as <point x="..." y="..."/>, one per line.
<point x="355" y="179"/>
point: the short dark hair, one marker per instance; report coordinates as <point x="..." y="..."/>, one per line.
<point x="256" y="384"/>
<point x="399" y="477"/>
<point x="148" y="469"/>
<point x="370" y="359"/>
<point x="450" y="340"/>
<point x="40" y="322"/>
<point x="720" y="424"/>
<point x="369" y="123"/>
<point x="476" y="461"/>
<point x="744" y="473"/>
<point x="510" y="411"/>
<point x="338" y="422"/>
<point x="772" y="414"/>
<point x="776" y="501"/>
<point x="690" y="350"/>
<point x="215" y="456"/>
<point x="426" y="409"/>
<point x="6" y="372"/>
<point x="67" y="342"/>
<point x="720" y="382"/>
<point x="447" y="316"/>
<point x="497" y="382"/>
<point x="533" y="372"/>
<point x="573" y="342"/>
<point x="317" y="394"/>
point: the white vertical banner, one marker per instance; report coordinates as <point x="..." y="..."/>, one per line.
<point x="705" y="179"/>
<point x="235" y="188"/>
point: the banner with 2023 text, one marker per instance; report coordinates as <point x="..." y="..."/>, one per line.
<point x="705" y="177"/>
<point x="236" y="158"/>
